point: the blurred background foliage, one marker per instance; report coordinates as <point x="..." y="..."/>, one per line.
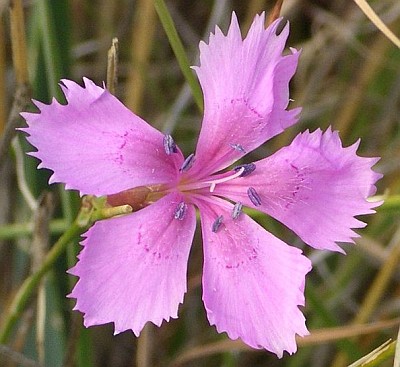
<point x="348" y="77"/>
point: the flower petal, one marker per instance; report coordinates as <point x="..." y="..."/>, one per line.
<point x="314" y="186"/>
<point x="96" y="145"/>
<point x="253" y="283"/>
<point x="246" y="92"/>
<point x="132" y="269"/>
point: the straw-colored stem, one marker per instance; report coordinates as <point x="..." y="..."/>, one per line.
<point x="143" y="31"/>
<point x="316" y="337"/>
<point x="40" y="243"/>
<point x="396" y="362"/>
<point x="112" y="66"/>
<point x="275" y="12"/>
<point x="19" y="56"/>
<point x="374" y="18"/>
<point x="3" y="102"/>
<point x="18" y="41"/>
<point x="21" y="100"/>
<point x="144" y="348"/>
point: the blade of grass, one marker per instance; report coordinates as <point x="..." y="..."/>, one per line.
<point x="54" y="22"/>
<point x="52" y="53"/>
<point x="377" y="356"/>
<point x="179" y="51"/>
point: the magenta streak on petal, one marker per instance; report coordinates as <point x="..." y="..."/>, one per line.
<point x="96" y="145"/>
<point x="132" y="269"/>
<point x="314" y="186"/>
<point x="246" y="89"/>
<point x="253" y="283"/>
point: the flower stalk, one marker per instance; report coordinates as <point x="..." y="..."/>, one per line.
<point x="90" y="211"/>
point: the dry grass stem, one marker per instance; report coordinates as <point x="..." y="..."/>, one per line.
<point x="144" y="347"/>
<point x="40" y="244"/>
<point x="316" y="337"/>
<point x="143" y="31"/>
<point x="370" y="13"/>
<point x="275" y="12"/>
<point x="112" y="66"/>
<point x="18" y="44"/>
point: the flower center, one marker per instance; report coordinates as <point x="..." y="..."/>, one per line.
<point x="210" y="182"/>
<point x="140" y="197"/>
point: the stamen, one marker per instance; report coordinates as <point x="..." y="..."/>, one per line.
<point x="217" y="223"/>
<point x="248" y="168"/>
<point x="253" y="196"/>
<point x="237" y="209"/>
<point x="238" y="148"/>
<point x="225" y="179"/>
<point x="169" y="145"/>
<point x="188" y="163"/>
<point x="180" y="211"/>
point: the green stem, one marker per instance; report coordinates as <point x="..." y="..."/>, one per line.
<point x="391" y="202"/>
<point x="179" y="51"/>
<point x="29" y="285"/>
<point x="90" y="211"/>
<point x="16" y="230"/>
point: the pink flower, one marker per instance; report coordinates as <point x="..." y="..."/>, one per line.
<point x="133" y="268"/>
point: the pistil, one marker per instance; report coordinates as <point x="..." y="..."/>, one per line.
<point x="210" y="183"/>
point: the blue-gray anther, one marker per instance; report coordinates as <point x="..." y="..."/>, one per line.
<point x="238" y="148"/>
<point x="180" y="211"/>
<point x="188" y="163"/>
<point x="169" y="144"/>
<point x="248" y="168"/>
<point x="253" y="196"/>
<point x="237" y="209"/>
<point x="217" y="223"/>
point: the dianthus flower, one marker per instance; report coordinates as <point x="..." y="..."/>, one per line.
<point x="133" y="268"/>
